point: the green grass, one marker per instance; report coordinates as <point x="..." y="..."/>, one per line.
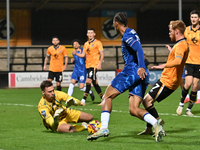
<point x="21" y="126"/>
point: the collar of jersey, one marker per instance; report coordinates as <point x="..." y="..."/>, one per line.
<point x="91" y="41"/>
<point x="56" y="48"/>
<point x="194" y="30"/>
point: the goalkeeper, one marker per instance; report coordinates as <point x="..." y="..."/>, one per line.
<point x="55" y="116"/>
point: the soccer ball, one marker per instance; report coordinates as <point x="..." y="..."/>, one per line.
<point x="94" y="126"/>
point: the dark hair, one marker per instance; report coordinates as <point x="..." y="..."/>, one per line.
<point x="195" y="12"/>
<point x="45" y="84"/>
<point x="122" y="18"/>
<point x="178" y="24"/>
<point x="90" y="29"/>
<point x="76" y="40"/>
<point x="55" y="37"/>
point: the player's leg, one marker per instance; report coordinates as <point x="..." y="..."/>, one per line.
<point x="198" y="96"/>
<point x="66" y="128"/>
<point x="189" y="70"/>
<point x="71" y="87"/>
<point x="106" y="109"/>
<point x="59" y="78"/>
<point x="193" y="96"/>
<point x="97" y="88"/>
<point x="85" y="117"/>
<point x="82" y="80"/>
<point x="90" y="75"/>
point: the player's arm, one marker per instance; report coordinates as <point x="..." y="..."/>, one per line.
<point x="66" y="61"/>
<point x="82" y="55"/>
<point x="69" y="100"/>
<point x="176" y="62"/>
<point x="45" y="62"/>
<point x="134" y="43"/>
<point x="100" y="60"/>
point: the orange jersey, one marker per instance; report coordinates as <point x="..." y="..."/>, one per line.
<point x="92" y="51"/>
<point x="193" y="39"/>
<point x="56" y="58"/>
<point x="171" y="77"/>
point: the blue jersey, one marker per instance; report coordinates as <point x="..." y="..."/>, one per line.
<point x="133" y="56"/>
<point x="132" y="51"/>
<point x="79" y="62"/>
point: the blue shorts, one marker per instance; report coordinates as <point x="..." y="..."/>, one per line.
<point x="136" y="86"/>
<point x="79" y="76"/>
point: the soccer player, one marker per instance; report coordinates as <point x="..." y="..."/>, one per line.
<point x="192" y="66"/>
<point x="79" y="73"/>
<point x="56" y="53"/>
<point x="55" y="116"/>
<point x="93" y="50"/>
<point x="134" y="77"/>
<point x="172" y="74"/>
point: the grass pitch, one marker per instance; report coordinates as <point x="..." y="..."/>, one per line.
<point x="21" y="125"/>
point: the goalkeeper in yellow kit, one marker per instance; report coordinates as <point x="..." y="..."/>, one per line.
<point x="55" y="116"/>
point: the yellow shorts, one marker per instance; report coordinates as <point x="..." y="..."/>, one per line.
<point x="72" y="116"/>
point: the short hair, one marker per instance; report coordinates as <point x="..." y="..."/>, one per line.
<point x="178" y="24"/>
<point x="45" y="84"/>
<point x="122" y="18"/>
<point x="91" y="29"/>
<point x="195" y="12"/>
<point x="76" y="40"/>
<point x="55" y="37"/>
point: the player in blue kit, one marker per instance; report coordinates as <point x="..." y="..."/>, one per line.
<point x="79" y="73"/>
<point x="134" y="77"/>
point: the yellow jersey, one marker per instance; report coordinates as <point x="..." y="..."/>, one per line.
<point x="193" y="39"/>
<point x="171" y="77"/>
<point x="47" y="109"/>
<point x="56" y="58"/>
<point x="92" y="51"/>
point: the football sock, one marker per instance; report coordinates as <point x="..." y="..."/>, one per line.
<point x="70" y="89"/>
<point x="59" y="88"/>
<point x="79" y="127"/>
<point x="88" y="87"/>
<point x="193" y="96"/>
<point x="149" y="119"/>
<point x="84" y="88"/>
<point x="181" y="104"/>
<point x="98" y="89"/>
<point x="184" y="94"/>
<point x="105" y="117"/>
<point x="198" y="94"/>
<point x="153" y="112"/>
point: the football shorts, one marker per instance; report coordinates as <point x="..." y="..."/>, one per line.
<point x="133" y="83"/>
<point x="57" y="75"/>
<point x="159" y="91"/>
<point x="192" y="70"/>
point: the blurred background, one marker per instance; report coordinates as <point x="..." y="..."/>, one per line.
<point x="33" y="23"/>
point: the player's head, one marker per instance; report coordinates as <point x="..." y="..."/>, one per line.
<point x="91" y="33"/>
<point x="55" y="40"/>
<point x="47" y="90"/>
<point x="76" y="43"/>
<point x="120" y="19"/>
<point x="195" y="17"/>
<point x="176" y="28"/>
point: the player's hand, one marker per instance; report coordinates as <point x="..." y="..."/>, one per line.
<point x="158" y="67"/>
<point x="142" y="73"/>
<point x="72" y="60"/>
<point x="69" y="102"/>
<point x="44" y="68"/>
<point x="99" y="66"/>
<point x="58" y="112"/>
<point x="74" y="52"/>
<point x="64" y="68"/>
<point x="169" y="48"/>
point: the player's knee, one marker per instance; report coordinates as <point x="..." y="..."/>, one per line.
<point x="133" y="111"/>
<point x="90" y="117"/>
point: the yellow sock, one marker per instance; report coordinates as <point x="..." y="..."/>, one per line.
<point x="79" y="127"/>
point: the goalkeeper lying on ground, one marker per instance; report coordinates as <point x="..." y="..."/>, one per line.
<point x="56" y="116"/>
